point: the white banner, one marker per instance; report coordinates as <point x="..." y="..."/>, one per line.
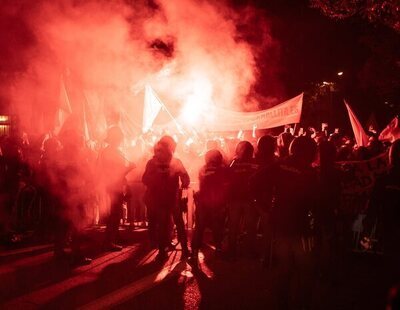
<point x="288" y="112"/>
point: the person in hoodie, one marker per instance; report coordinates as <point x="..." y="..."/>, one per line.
<point x="70" y="180"/>
<point x="295" y="201"/>
<point x="112" y="169"/>
<point x="163" y="176"/>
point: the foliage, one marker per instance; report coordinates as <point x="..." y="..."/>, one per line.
<point x="386" y="12"/>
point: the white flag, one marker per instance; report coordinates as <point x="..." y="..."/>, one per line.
<point x="64" y="109"/>
<point x="95" y="115"/>
<point x="152" y="106"/>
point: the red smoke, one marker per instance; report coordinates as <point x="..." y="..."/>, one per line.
<point x="87" y="63"/>
<point x="190" y="52"/>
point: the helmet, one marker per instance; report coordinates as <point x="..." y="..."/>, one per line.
<point x="244" y="150"/>
<point x="266" y="145"/>
<point x="303" y="148"/>
<point x="168" y="142"/>
<point x="214" y="157"/>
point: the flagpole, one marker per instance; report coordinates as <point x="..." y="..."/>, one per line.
<point x="173" y="118"/>
<point x="169" y="114"/>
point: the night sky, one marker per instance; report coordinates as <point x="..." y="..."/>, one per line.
<point x="314" y="48"/>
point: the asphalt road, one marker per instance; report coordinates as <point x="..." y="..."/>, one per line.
<point x="131" y="279"/>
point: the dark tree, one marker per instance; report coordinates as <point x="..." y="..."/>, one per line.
<point x="386" y="12"/>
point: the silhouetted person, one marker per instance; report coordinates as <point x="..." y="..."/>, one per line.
<point x="361" y="153"/>
<point x="385" y="210"/>
<point x="113" y="169"/>
<point x="69" y="186"/>
<point x="265" y="154"/>
<point x="295" y="199"/>
<point x="45" y="176"/>
<point x="262" y="194"/>
<point x="326" y="215"/>
<point x="284" y="140"/>
<point x="13" y="163"/>
<point x="344" y="153"/>
<point x="210" y="202"/>
<point x="239" y="198"/>
<point x="375" y="147"/>
<point x="162" y="176"/>
<point x="393" y="301"/>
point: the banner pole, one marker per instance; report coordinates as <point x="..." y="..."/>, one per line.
<point x="169" y="114"/>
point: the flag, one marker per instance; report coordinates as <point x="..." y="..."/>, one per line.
<point x="359" y="133"/>
<point x="127" y="125"/>
<point x="64" y="108"/>
<point x="152" y="106"/>
<point x="95" y="114"/>
<point x="391" y="132"/>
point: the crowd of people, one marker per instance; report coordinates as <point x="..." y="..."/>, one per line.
<point x="276" y="197"/>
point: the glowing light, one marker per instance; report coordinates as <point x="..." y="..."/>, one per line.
<point x="187" y="274"/>
<point x="189" y="141"/>
<point x="166" y="71"/>
<point x="4" y="118"/>
<point x="340" y="73"/>
<point x="198" y="101"/>
<point x="4" y="130"/>
<point x="191" y="113"/>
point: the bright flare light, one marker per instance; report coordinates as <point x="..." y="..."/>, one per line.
<point x="191" y="112"/>
<point x="198" y="101"/>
